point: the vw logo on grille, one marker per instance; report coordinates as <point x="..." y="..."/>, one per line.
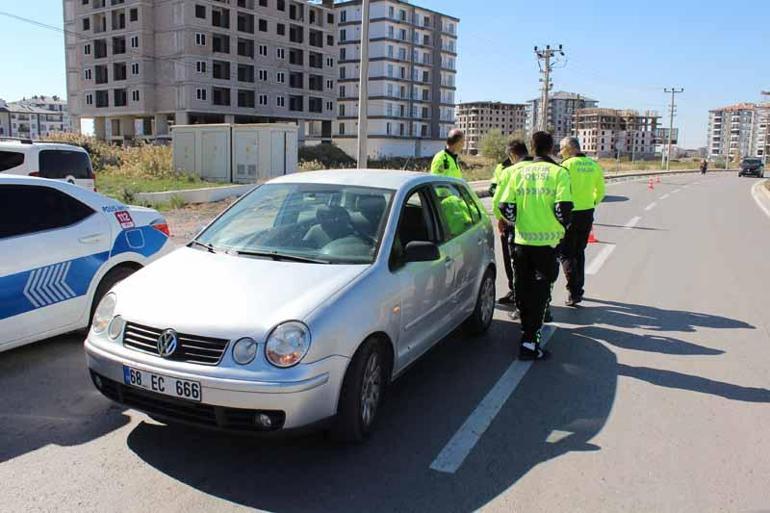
<point x="167" y="343"/>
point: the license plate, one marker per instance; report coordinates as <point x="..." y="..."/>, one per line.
<point x="166" y="385"/>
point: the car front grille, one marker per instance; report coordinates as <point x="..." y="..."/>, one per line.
<point x="191" y="348"/>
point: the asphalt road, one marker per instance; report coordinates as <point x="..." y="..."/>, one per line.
<point x="657" y="398"/>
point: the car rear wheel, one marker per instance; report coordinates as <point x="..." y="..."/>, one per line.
<point x="362" y="392"/>
<point x="481" y="318"/>
<point x="112" y="278"/>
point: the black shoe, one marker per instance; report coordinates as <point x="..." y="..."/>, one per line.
<point x="533" y="353"/>
<point x="548" y="317"/>
<point x="573" y="300"/>
<point x="508" y="299"/>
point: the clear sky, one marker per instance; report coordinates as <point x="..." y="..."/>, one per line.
<point x="620" y="53"/>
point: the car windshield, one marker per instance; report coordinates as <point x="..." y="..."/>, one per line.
<point x="331" y="224"/>
<point x="752" y="162"/>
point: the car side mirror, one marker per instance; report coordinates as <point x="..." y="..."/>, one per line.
<point x="421" y="251"/>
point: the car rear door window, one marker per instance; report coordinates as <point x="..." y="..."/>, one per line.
<point x="30" y="209"/>
<point x="456" y="216"/>
<point x="10" y="159"/>
<point x="61" y="164"/>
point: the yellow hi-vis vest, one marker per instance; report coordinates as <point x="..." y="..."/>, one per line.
<point x="502" y="178"/>
<point x="587" y="180"/>
<point x="535" y="187"/>
<point x="444" y="164"/>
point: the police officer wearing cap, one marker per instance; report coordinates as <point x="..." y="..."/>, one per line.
<point x="446" y="162"/>
<point x="587" y="180"/>
<point x="538" y="201"/>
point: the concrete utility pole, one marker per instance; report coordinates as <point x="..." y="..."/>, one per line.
<point x="674" y="91"/>
<point x="544" y="61"/>
<point x="767" y="128"/>
<point x="363" y="88"/>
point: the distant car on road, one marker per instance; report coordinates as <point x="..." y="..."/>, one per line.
<point x="57" y="161"/>
<point x="62" y="248"/>
<point x="299" y="304"/>
<point x="752" y="167"/>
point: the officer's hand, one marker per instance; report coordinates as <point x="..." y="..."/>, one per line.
<point x="502" y="225"/>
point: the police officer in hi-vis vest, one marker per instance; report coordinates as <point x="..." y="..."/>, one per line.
<point x="517" y="153"/>
<point x="587" y="180"/>
<point x="446" y="162"/>
<point x="538" y="201"/>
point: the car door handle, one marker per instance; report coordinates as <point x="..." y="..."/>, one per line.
<point x="91" y="239"/>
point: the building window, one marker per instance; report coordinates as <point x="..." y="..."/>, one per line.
<point x="329" y="106"/>
<point x="263" y="25"/>
<point x="135" y="96"/>
<point x="133" y="15"/>
<point x="280" y="77"/>
<point x="120" y="97"/>
<point x="245" y="98"/>
<point x="343" y="35"/>
<point x="135" y="68"/>
<point x="87" y="49"/>
<point x="280" y="29"/>
<point x="87" y="74"/>
<point x="263" y="50"/>
<point x="263" y="75"/>
<point x="330" y="62"/>
<point x="200" y="11"/>
<point x="201" y="94"/>
<point x="263" y="99"/>
<point x="200" y="67"/>
<point x="342" y="129"/>
<point x="89" y="99"/>
<point x="86" y="24"/>
<point x="134" y="41"/>
<point x="280" y="101"/>
<point x="200" y="39"/>
<point x="280" y="53"/>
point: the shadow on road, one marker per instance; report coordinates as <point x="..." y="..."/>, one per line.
<point x="614" y="199"/>
<point x="47" y="398"/>
<point x="643" y="228"/>
<point x="391" y="471"/>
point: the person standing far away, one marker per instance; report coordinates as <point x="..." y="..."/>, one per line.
<point x="517" y="152"/>
<point x="538" y="201"/>
<point x="704" y="166"/>
<point x="587" y="179"/>
<point x="446" y="162"/>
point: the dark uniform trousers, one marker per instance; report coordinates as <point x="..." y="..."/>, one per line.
<point x="536" y="269"/>
<point x="506" y="240"/>
<point x="572" y="250"/>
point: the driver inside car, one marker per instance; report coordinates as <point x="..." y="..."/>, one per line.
<point x="333" y="223"/>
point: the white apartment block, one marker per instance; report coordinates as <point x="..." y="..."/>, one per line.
<point x="476" y="119"/>
<point x="611" y="133"/>
<point x="412" y="70"/>
<point x="739" y="130"/>
<point x="137" y="66"/>
<point x="561" y="110"/>
<point x="34" y="118"/>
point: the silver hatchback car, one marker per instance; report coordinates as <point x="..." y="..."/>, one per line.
<point x="299" y="304"/>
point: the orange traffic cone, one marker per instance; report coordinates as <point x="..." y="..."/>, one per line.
<point x="592" y="238"/>
<point x="658" y="180"/>
<point x="651" y="185"/>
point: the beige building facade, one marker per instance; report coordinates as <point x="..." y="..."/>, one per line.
<point x="476" y="119"/>
<point x="611" y="133"/>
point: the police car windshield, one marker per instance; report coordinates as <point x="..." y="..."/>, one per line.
<point x="308" y="223"/>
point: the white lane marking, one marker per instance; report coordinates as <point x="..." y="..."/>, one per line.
<point x="675" y="191"/>
<point x="758" y="198"/>
<point x="633" y="222"/>
<point x="596" y="264"/>
<point x="465" y="439"/>
<point x="651" y="206"/>
<point x="557" y="436"/>
<point x="665" y="196"/>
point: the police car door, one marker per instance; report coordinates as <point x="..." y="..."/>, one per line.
<point x="51" y="246"/>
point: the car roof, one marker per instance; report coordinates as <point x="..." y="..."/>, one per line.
<point x="377" y="178"/>
<point x="20" y="145"/>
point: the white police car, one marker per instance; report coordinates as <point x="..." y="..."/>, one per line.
<point x="62" y="248"/>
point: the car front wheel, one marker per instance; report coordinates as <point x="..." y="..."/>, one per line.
<point x="362" y="392"/>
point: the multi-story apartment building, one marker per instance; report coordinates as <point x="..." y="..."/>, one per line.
<point x="739" y="130"/>
<point x="476" y="119"/>
<point x="616" y="133"/>
<point x="412" y="69"/>
<point x="561" y="110"/>
<point x="136" y="66"/>
<point x="34" y="118"/>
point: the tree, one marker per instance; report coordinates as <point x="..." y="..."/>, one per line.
<point x="493" y="144"/>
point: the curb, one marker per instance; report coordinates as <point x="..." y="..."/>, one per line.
<point x="205" y="195"/>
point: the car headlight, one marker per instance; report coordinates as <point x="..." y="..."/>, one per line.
<point x="104" y="313"/>
<point x="244" y="351"/>
<point x="116" y="327"/>
<point x="287" y="344"/>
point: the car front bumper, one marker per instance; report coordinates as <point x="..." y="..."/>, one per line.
<point x="230" y="404"/>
